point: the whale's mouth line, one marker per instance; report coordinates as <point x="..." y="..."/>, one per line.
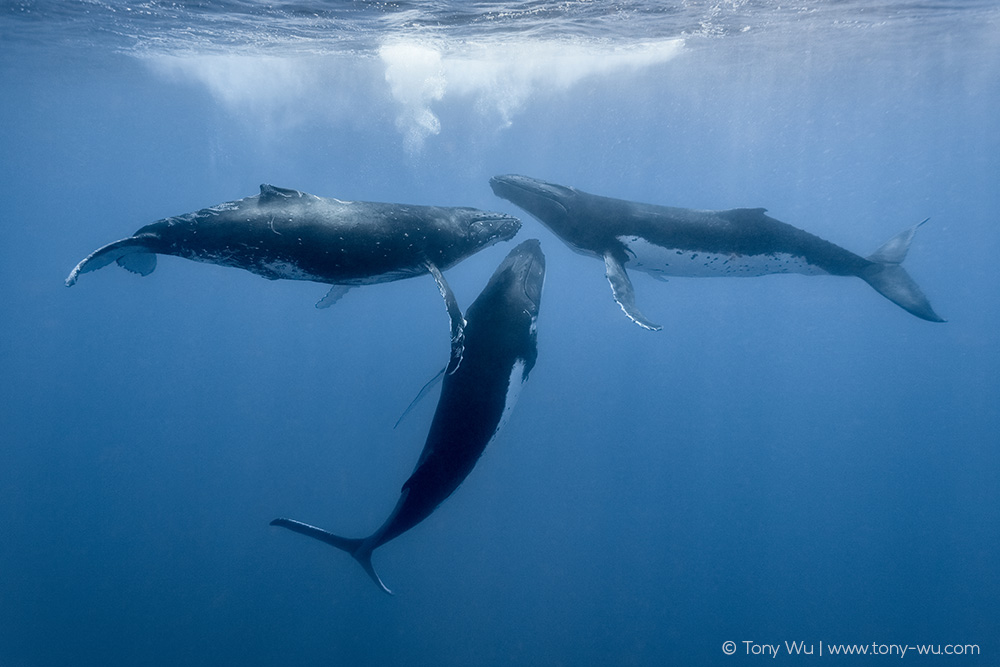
<point x="530" y="292"/>
<point x="531" y="190"/>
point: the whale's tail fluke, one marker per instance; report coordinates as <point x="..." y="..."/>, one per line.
<point x="890" y="280"/>
<point x="135" y="253"/>
<point x="357" y="547"/>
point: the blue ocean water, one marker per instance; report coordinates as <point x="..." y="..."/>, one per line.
<point x="791" y="459"/>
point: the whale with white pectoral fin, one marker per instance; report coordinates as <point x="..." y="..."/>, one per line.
<point x="282" y="233"/>
<point x="500" y="351"/>
<point x="665" y="241"/>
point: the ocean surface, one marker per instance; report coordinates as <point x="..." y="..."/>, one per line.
<point x="791" y="459"/>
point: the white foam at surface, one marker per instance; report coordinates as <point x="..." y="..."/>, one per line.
<point x="499" y="79"/>
<point x="496" y="80"/>
<point x="234" y="79"/>
<point x="278" y="91"/>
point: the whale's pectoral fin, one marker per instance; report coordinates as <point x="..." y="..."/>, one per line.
<point x="623" y="292"/>
<point x="135" y="253"/>
<point x="354" y="546"/>
<point x="333" y="296"/>
<point x="457" y="320"/>
<point x="891" y="280"/>
<point x="426" y="389"/>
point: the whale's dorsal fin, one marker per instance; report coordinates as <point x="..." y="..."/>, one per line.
<point x="270" y="193"/>
<point x="621" y="288"/>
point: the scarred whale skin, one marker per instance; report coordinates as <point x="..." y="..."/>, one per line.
<point x="668" y="241"/>
<point x="475" y="401"/>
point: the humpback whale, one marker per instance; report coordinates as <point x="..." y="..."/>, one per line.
<point x="475" y="401"/>
<point x="665" y="241"/>
<point x="282" y="233"/>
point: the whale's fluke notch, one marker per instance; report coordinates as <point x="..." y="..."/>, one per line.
<point x="356" y="547"/>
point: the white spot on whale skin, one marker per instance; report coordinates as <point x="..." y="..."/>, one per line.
<point x="659" y="261"/>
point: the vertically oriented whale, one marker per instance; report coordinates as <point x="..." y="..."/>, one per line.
<point x="665" y="241"/>
<point x="500" y="351"/>
<point x="282" y="233"/>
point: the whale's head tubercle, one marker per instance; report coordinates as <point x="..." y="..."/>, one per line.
<point x="485" y="228"/>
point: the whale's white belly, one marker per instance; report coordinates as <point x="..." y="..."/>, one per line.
<point x="659" y="261"/>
